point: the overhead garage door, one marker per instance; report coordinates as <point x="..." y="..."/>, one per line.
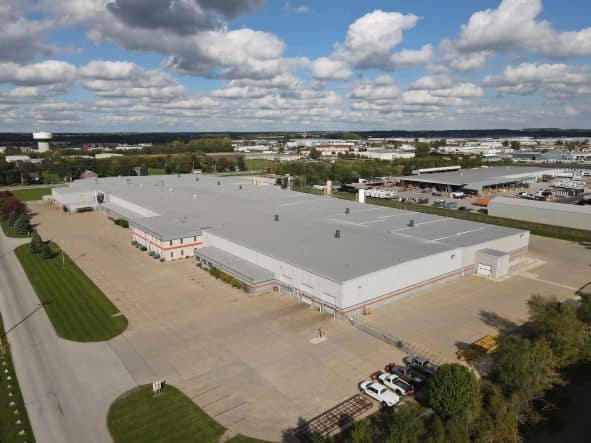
<point x="485" y="270"/>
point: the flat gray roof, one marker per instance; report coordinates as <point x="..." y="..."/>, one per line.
<point x="246" y="270"/>
<point x="477" y="176"/>
<point x="523" y="202"/>
<point x="372" y="237"/>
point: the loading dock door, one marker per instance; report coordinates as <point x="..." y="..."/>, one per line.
<point x="485" y="270"/>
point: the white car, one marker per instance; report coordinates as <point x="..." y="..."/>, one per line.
<point x="379" y="392"/>
<point x="396" y="384"/>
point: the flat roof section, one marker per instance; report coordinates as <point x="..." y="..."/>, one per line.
<point x="477" y="176"/>
<point x="233" y="208"/>
<point x="526" y="203"/>
<point x="245" y="270"/>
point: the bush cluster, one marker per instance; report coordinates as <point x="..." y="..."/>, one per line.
<point x="227" y="278"/>
<point x="121" y="222"/>
<point x="14" y="212"/>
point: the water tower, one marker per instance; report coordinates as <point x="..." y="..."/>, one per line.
<point x="42" y="140"/>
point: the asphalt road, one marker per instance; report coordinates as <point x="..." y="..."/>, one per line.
<point x="67" y="386"/>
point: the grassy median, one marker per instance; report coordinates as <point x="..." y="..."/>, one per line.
<point x="31" y="194"/>
<point x="78" y="310"/>
<point x="139" y="416"/>
<point x="9" y="230"/>
<point x="11" y="400"/>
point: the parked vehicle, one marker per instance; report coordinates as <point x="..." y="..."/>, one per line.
<point x="379" y="392"/>
<point x="436" y="194"/>
<point x="420" y="363"/>
<point x="408" y="374"/>
<point x="397" y="384"/>
<point x="457" y="194"/>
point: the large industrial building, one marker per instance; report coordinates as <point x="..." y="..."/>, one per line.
<point x="478" y="180"/>
<point x="559" y="214"/>
<point x="343" y="257"/>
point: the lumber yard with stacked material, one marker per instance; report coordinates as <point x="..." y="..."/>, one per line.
<point x="343" y="257"/>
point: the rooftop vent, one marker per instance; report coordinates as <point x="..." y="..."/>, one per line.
<point x="240" y="187"/>
<point x="412" y="223"/>
<point x="197" y="178"/>
<point x="219" y="182"/>
<point x="276" y="218"/>
<point x="347" y="210"/>
<point x="337" y="233"/>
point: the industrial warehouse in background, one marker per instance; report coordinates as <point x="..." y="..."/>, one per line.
<point x="343" y="257"/>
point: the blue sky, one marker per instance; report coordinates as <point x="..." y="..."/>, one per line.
<point x="230" y="65"/>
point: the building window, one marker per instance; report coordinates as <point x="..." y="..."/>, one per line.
<point x="182" y="252"/>
<point x="181" y="241"/>
<point x="170" y="242"/>
<point x="171" y="254"/>
<point x="194" y="239"/>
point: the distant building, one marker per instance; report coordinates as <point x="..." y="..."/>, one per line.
<point x="106" y="155"/>
<point x="88" y="174"/>
<point x="17" y="158"/>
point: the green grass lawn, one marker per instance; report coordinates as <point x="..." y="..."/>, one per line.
<point x="139" y="416"/>
<point x="50" y="177"/>
<point x="9" y="428"/>
<point x="9" y="230"/>
<point x="257" y="164"/>
<point x="156" y="171"/>
<point x="31" y="194"/>
<point x="78" y="309"/>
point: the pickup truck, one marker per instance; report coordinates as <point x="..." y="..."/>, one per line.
<point x="397" y="384"/>
<point x="408" y="374"/>
<point x="420" y="363"/>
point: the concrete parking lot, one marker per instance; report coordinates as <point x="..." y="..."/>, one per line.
<point x="439" y="320"/>
<point x="247" y="361"/>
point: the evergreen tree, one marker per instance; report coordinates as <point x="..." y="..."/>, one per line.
<point x="22" y="224"/>
<point x="36" y="243"/>
<point x="12" y="217"/>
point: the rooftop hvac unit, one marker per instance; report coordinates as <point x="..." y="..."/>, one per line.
<point x="276" y="218"/>
<point x="194" y="196"/>
<point x="337" y="233"/>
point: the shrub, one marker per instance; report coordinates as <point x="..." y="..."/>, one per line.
<point x="11" y="204"/>
<point x="121" y="222"/>
<point x="143" y="249"/>
<point x="226" y="278"/>
<point x="46" y="252"/>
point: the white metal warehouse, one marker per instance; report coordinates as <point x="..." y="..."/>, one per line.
<point x="342" y="256"/>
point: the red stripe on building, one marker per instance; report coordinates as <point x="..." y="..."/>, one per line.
<point x="169" y="248"/>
